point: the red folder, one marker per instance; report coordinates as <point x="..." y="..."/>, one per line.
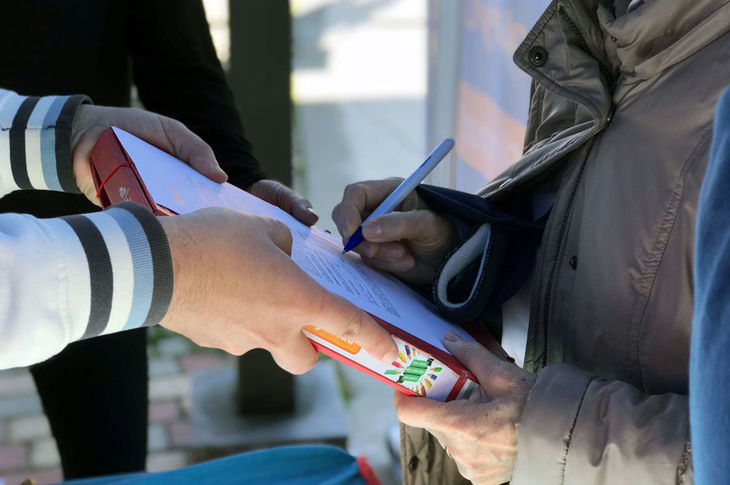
<point x="420" y="364"/>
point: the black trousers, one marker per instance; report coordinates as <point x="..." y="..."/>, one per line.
<point x="95" y="396"/>
<point x="95" y="391"/>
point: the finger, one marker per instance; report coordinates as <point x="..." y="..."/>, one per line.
<point x="490" y="370"/>
<point x="302" y="210"/>
<point x="358" y="199"/>
<point x="279" y="235"/>
<point x="191" y="149"/>
<point x="392" y="251"/>
<point x="420" y="412"/>
<point x="297" y="357"/>
<point x="407" y="263"/>
<point x="422" y="226"/>
<point x="285" y="198"/>
<point x="341" y="318"/>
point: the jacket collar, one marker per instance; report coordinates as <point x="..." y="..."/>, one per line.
<point x="661" y="33"/>
<point x="644" y="42"/>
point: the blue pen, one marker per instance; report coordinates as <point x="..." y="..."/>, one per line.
<point x="402" y="191"/>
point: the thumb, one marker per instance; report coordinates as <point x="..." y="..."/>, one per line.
<point x="341" y="318"/>
<point x="419" y="412"/>
<point x="191" y="149"/>
<point x="297" y="357"/>
<point x="491" y="371"/>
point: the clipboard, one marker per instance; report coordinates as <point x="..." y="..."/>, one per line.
<point x="125" y="168"/>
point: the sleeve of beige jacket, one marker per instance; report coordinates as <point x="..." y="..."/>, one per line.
<point x="578" y="429"/>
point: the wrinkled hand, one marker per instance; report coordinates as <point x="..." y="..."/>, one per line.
<point x="236" y="288"/>
<point x="409" y="242"/>
<point x="479" y="433"/>
<point x="286" y="199"/>
<point x="165" y="133"/>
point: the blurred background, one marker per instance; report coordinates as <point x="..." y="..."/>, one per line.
<point x="342" y="90"/>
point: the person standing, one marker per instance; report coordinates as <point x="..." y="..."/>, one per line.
<point x="95" y="392"/>
<point x="618" y="139"/>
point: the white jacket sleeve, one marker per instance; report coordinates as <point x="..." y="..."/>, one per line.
<point x="75" y="277"/>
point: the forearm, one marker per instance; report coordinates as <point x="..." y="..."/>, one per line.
<point x="178" y="75"/>
<point x="576" y="428"/>
<point x="35" y="142"/>
<point x="79" y="277"/>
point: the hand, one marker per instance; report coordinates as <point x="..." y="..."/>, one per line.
<point x="285" y="198"/>
<point x="165" y="133"/>
<point x="410" y="242"/>
<point x="479" y="433"/>
<point x="235" y="288"/>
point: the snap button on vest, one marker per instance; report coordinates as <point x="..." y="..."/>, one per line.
<point x="413" y="464"/>
<point x="538" y="56"/>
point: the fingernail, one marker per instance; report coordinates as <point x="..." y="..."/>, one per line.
<point x="391" y="356"/>
<point x="311" y="211"/>
<point x="451" y="337"/>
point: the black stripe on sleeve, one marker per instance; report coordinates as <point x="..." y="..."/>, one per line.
<point x="100" y="270"/>
<point x="64" y="159"/>
<point x="161" y="261"/>
<point x="17" y="142"/>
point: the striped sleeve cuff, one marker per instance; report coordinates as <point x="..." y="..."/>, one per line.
<point x="121" y="277"/>
<point x="35" y="149"/>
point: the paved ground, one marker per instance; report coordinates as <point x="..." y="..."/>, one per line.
<point x="359" y="85"/>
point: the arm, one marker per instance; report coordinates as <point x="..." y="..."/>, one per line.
<point x="709" y="369"/>
<point x="476" y="254"/>
<point x="578" y="428"/>
<point x="77" y="277"/>
<point x="178" y="74"/>
<point x="566" y="426"/>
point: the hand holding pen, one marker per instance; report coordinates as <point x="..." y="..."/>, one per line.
<point x="399" y="234"/>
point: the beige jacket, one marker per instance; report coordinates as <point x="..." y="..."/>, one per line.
<point x="619" y="129"/>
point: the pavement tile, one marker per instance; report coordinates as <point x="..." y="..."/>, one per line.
<point x="166" y="460"/>
<point x="170" y="387"/>
<point x="44" y="453"/>
<point x="174" y="346"/>
<point x="20" y="406"/>
<point x="16" y="383"/>
<point x="41" y="477"/>
<point x="163" y="411"/>
<point x="180" y="433"/>
<point x="165" y="366"/>
<point x="200" y="362"/>
<point x="157" y="438"/>
<point x="13" y="458"/>
<point x="28" y="428"/>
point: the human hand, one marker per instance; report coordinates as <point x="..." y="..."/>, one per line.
<point x="409" y="242"/>
<point x="479" y="433"/>
<point x="165" y="133"/>
<point x="235" y="288"/>
<point x="285" y="198"/>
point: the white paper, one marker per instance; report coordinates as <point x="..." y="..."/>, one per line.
<point x="181" y="189"/>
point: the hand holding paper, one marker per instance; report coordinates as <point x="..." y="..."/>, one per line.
<point x="166" y="133"/>
<point x="422" y="366"/>
<point x="237" y="289"/>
